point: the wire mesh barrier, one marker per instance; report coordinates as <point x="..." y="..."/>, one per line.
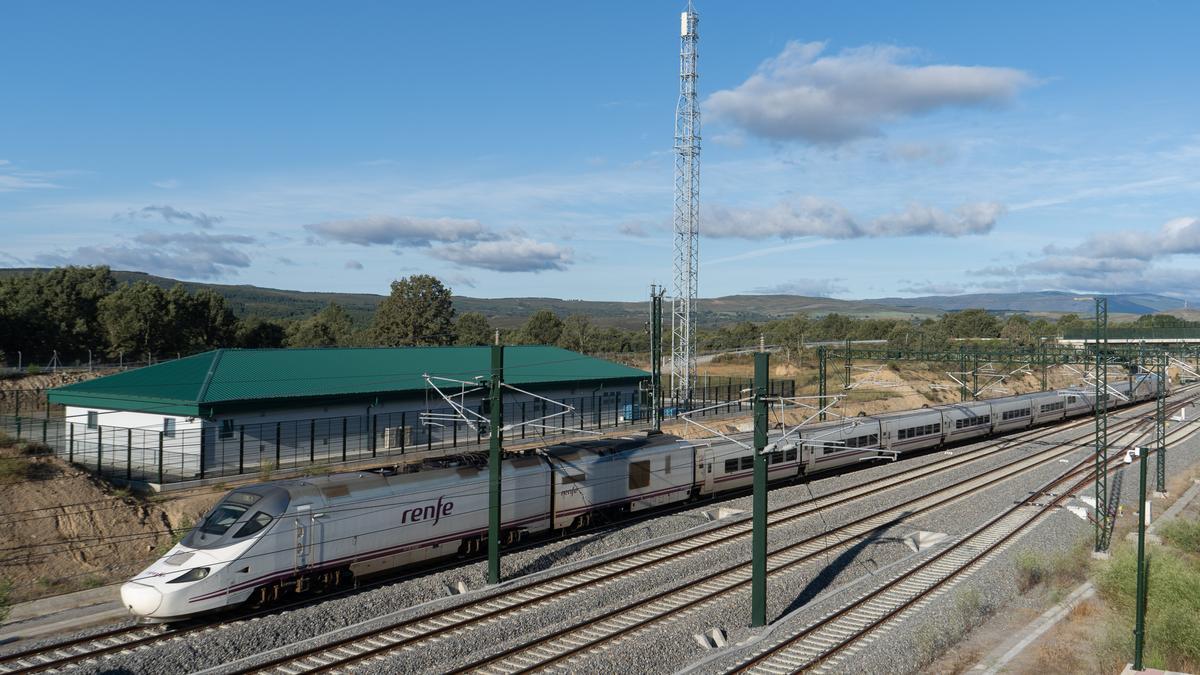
<point x="226" y="448"/>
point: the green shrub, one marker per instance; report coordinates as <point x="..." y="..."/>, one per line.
<point x="1031" y="570"/>
<point x="1182" y="534"/>
<point x="1172" y="603"/>
<point x="265" y="469"/>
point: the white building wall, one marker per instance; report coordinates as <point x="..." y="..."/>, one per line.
<point x="283" y="436"/>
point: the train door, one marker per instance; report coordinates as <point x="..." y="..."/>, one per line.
<point x="306" y="536"/>
<point x="705" y="465"/>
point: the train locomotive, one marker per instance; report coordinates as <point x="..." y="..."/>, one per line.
<point x="266" y="540"/>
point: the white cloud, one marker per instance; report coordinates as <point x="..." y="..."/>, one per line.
<point x="812" y="216"/>
<point x="1174" y="237"/>
<point x="353" y="265"/>
<point x="399" y="230"/>
<point x="818" y="288"/>
<point x="633" y="228"/>
<point x="168" y="184"/>
<point x="513" y="253"/>
<point x="14" y="179"/>
<point x="804" y="95"/>
<point x="171" y="215"/>
<point x="186" y="255"/>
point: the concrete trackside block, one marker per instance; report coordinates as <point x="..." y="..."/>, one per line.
<point x="457" y="588"/>
<point x="722" y="513"/>
<point x="715" y="638"/>
<point x="920" y="540"/>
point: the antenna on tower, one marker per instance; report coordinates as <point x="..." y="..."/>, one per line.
<point x="687" y="214"/>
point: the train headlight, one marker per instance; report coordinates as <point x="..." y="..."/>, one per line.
<point x="194" y="574"/>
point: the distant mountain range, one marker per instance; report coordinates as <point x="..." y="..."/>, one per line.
<point x="284" y="304"/>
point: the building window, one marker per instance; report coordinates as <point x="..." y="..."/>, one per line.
<point x="93" y="419"/>
<point x="169" y="427"/>
<point x="226" y="429"/>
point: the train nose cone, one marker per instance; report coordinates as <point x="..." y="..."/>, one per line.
<point x="140" y="598"/>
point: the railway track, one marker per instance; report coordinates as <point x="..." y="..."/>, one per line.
<point x="570" y="641"/>
<point x="908" y="592"/>
<point x="81" y="650"/>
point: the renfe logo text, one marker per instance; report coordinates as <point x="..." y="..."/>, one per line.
<point x="434" y="511"/>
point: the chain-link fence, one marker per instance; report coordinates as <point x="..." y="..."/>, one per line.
<point x="230" y="449"/>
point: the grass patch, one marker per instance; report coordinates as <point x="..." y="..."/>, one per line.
<point x="6" y="441"/>
<point x="5" y="590"/>
<point x="316" y="470"/>
<point x="1182" y="534"/>
<point x="35" y="449"/>
<point x="1034" y="568"/>
<point x="1172" y="605"/>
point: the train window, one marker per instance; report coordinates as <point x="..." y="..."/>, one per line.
<point x="667" y="465"/>
<point x="873" y="440"/>
<point x="222" y="518"/>
<point x="791" y="455"/>
<point x="572" y="478"/>
<point x="256" y="523"/>
<point x="747" y="462"/>
<point x="639" y="475"/>
<point x="1071" y="399"/>
<point x="731" y="465"/>
<point x="776" y="457"/>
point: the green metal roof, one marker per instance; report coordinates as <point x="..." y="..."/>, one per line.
<point x="197" y="385"/>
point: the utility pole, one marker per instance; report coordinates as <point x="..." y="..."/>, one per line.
<point x="687" y="214"/>
<point x="758" y="545"/>
<point x="821" y="377"/>
<point x="1139" y="630"/>
<point x="495" y="450"/>
<point x="1103" y="520"/>
<point x="656" y="298"/>
<point x="1160" y="424"/>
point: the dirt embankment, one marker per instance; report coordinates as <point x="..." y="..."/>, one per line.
<point x="61" y="529"/>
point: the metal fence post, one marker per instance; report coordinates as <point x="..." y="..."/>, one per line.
<point x="522" y="419"/>
<point x="278" y="440"/>
<point x="44" y="423"/>
<point x="343" y="439"/>
<point x="241" y="449"/>
<point x="71" y="443"/>
<point x="374" y="433"/>
<point x="160" y="458"/>
<point x="202" y="450"/>
<point x="312" y="441"/>
<point x="129" y="454"/>
<point x="403" y="430"/>
<point x="99" y="449"/>
<point x="18" y="427"/>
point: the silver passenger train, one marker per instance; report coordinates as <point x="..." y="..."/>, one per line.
<point x="262" y="541"/>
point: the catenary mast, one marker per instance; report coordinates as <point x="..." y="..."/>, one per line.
<point x="687" y="214"/>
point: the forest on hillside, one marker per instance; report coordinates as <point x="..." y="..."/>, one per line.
<point x="82" y="313"/>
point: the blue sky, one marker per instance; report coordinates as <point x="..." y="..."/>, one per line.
<point x="859" y="150"/>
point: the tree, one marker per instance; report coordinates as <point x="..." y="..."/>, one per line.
<point x="972" y="323"/>
<point x="331" y="327"/>
<point x="1017" y="330"/>
<point x="135" y="321"/>
<point x="543" y="328"/>
<point x="418" y="312"/>
<point x="257" y="333"/>
<point x="473" y="329"/>
<point x="576" y="333"/>
<point x="52" y="311"/>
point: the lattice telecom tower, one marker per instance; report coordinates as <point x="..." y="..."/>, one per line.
<point x="687" y="213"/>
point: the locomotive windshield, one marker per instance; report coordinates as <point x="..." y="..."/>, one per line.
<point x="240" y="514"/>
